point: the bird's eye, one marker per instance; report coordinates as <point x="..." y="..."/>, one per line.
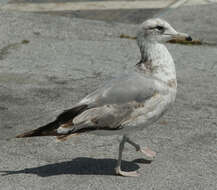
<point x="160" y="27"/>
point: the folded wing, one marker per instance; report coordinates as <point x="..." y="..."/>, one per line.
<point x="106" y="108"/>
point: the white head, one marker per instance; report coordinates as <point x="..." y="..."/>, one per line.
<point x="158" y="30"/>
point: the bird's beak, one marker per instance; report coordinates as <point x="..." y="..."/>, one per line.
<point x="181" y="36"/>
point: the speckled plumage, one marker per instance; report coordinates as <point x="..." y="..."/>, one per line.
<point x="115" y="105"/>
<point x="131" y="101"/>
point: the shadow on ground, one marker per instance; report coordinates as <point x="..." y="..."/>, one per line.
<point x="80" y="166"/>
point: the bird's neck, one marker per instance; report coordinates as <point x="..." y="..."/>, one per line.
<point x="156" y="60"/>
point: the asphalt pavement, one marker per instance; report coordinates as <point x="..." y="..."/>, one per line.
<point x="48" y="62"/>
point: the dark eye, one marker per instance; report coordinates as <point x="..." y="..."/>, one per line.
<point x="160" y="27"/>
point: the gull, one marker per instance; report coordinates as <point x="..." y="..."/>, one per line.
<point x="130" y="102"/>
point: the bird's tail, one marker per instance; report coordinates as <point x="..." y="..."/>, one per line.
<point x="46" y="130"/>
<point x="50" y="129"/>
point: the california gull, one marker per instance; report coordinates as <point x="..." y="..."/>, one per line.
<point x="130" y="102"/>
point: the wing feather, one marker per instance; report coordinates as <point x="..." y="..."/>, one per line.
<point x="122" y="90"/>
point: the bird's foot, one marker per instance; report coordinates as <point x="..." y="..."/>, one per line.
<point x="149" y="154"/>
<point x="126" y="174"/>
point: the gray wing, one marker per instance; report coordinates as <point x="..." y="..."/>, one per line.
<point x="122" y="90"/>
<point x="114" y="106"/>
<point x="115" y="103"/>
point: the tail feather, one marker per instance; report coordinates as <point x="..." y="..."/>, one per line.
<point x="50" y="129"/>
<point x="46" y="130"/>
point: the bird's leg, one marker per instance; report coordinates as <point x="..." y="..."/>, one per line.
<point x="118" y="166"/>
<point x="146" y="151"/>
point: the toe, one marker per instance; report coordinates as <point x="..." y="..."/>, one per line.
<point x="127" y="174"/>
<point x="148" y="153"/>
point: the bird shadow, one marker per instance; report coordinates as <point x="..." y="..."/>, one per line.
<point x="80" y="166"/>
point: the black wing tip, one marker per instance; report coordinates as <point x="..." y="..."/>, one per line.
<point x="50" y="128"/>
<point x="46" y="130"/>
<point x="36" y="133"/>
<point x="24" y="135"/>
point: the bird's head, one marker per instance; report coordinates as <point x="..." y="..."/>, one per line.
<point x="158" y="30"/>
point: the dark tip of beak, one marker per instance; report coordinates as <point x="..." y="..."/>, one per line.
<point x="188" y="38"/>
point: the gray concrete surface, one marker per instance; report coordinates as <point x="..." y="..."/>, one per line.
<point x="3" y="2"/>
<point x="200" y="21"/>
<point x="48" y="62"/>
<point x="110" y="11"/>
